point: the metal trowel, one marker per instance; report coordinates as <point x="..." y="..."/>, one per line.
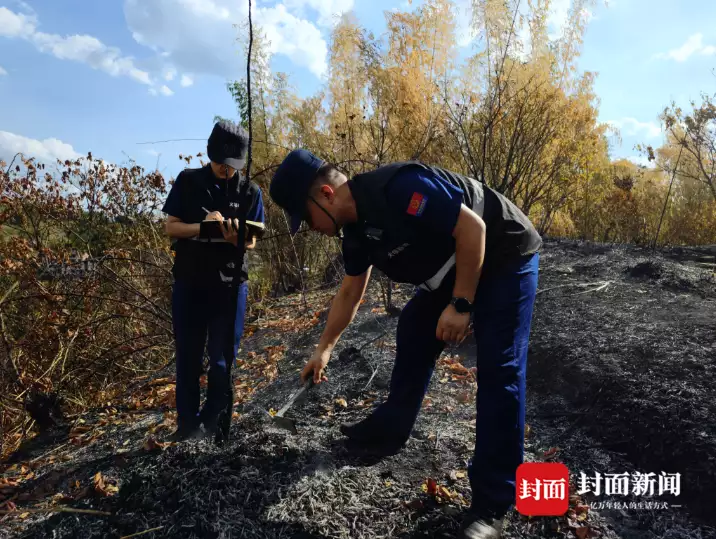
<point x="286" y="422"/>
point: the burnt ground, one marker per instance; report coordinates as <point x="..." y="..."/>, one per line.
<point x="621" y="378"/>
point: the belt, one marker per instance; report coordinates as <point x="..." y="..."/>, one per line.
<point x="209" y="240"/>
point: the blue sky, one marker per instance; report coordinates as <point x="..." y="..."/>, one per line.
<point x="102" y="76"/>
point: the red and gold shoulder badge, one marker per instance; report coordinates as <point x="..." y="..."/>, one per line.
<point x="417" y="204"/>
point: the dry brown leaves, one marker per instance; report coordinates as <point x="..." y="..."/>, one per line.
<point x="441" y="493"/>
<point x="290" y="323"/>
<point x="82" y="435"/>
<point x="52" y="487"/>
<point x="330" y="410"/>
<point x="168" y="423"/>
<point x="457" y="475"/>
<point x="13" y="487"/>
<point x="257" y="366"/>
<point x="7" y="490"/>
<point x="575" y="522"/>
<point x="151" y="444"/>
<point x="551" y="453"/>
<point x="341" y="402"/>
<point x="10" y="443"/>
<point x="365" y="402"/>
<point x="577" y="516"/>
<point x="454" y="370"/>
<point x="160" y="393"/>
<point x="104" y="486"/>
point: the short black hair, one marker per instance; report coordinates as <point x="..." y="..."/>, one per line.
<point x="327" y="174"/>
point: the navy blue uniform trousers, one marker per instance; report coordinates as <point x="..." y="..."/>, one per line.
<point x="201" y="312"/>
<point x="501" y="321"/>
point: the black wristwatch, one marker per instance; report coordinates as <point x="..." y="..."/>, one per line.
<point x="461" y="305"/>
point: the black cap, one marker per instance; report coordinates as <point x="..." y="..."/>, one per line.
<point x="291" y="183"/>
<point x="228" y="144"/>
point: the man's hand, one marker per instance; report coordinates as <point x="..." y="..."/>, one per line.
<point x="315" y="366"/>
<point x="452" y="326"/>
<point x="230" y="229"/>
<point x="214" y="216"/>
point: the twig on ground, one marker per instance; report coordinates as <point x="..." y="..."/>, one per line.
<point x="373" y="340"/>
<point x="50" y="452"/>
<point x="559" y="414"/>
<point x="59" y="510"/>
<point x="598" y="283"/>
<point x="12" y="499"/>
<point x="601" y="287"/>
<point x="142" y="533"/>
<point x="375" y="371"/>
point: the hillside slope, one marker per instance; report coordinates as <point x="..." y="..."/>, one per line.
<point x="620" y="379"/>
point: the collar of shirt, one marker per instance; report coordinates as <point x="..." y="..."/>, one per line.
<point x="357" y="200"/>
<point x="214" y="181"/>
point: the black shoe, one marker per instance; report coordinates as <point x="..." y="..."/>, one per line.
<point x="185" y="432"/>
<point x="481" y="525"/>
<point x="218" y="427"/>
<point x="373" y="435"/>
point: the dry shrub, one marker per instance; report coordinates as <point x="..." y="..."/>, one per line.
<point x="84" y="287"/>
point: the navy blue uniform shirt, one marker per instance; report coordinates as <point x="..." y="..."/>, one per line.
<point x="194" y="191"/>
<point x="424" y="201"/>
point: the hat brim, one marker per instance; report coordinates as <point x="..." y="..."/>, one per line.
<point x="234" y="163"/>
<point x="296" y="221"/>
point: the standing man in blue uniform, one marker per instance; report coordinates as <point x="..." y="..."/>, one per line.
<point x="471" y="252"/>
<point x="210" y="283"/>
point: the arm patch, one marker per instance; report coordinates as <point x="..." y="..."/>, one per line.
<point x="417" y="204"/>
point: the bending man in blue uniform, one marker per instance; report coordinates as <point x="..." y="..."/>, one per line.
<point x="470" y="251"/>
<point x="209" y="292"/>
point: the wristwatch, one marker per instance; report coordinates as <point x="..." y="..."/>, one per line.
<point x="462" y="305"/>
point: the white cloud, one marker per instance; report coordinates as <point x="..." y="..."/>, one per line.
<point x="463" y="23"/>
<point x="191" y="36"/>
<point x="298" y="39"/>
<point x="558" y="17"/>
<point x="693" y="45"/>
<point x="164" y="90"/>
<point x="2" y="71"/>
<point x="84" y="49"/>
<point x="633" y="127"/>
<point x="46" y="150"/>
<point x="16" y="24"/>
<point x="91" y="51"/>
<point x="329" y="11"/>
<point x="557" y="20"/>
<point x="199" y="37"/>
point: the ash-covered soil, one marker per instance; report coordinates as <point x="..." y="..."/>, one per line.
<point x="620" y="379"/>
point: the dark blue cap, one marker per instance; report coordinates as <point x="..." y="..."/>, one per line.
<point x="228" y="144"/>
<point x="291" y="183"/>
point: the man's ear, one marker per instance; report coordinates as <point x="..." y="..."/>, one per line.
<point x="327" y="192"/>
